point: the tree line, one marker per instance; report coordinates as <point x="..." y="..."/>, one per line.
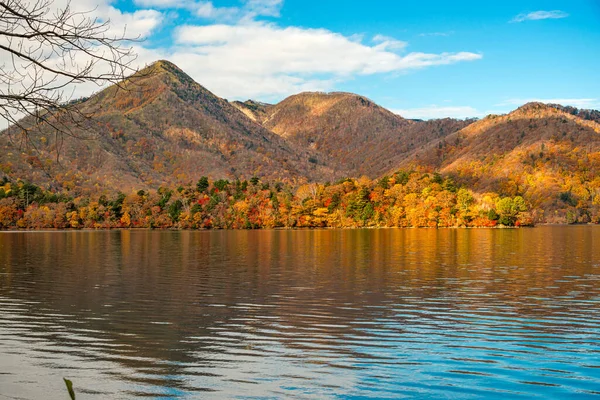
<point x="404" y="199"/>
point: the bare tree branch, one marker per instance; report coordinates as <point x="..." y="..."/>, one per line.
<point x="44" y="53"/>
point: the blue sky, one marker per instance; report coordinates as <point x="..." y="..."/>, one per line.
<point x="421" y="59"/>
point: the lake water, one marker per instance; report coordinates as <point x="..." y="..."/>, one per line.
<point x="389" y="313"/>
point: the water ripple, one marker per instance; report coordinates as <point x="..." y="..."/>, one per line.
<point x="301" y="314"/>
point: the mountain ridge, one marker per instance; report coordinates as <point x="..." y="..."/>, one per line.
<point x="160" y="127"/>
<point x="351" y="130"/>
<point x="166" y="129"/>
<point x="539" y="151"/>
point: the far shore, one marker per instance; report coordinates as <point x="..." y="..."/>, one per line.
<point x="17" y="230"/>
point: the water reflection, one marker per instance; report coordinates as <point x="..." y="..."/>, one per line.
<point x="382" y="313"/>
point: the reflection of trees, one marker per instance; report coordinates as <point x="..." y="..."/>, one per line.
<point x="169" y="300"/>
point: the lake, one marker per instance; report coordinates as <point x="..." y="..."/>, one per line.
<point x="376" y="313"/>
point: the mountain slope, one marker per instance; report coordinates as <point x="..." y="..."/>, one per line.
<point x="350" y="131"/>
<point x="255" y="110"/>
<point x="548" y="154"/>
<point x="164" y="129"/>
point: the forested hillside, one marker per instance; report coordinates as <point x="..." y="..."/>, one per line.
<point x="354" y="135"/>
<point x="549" y="155"/>
<point x="156" y="136"/>
<point x="160" y="128"/>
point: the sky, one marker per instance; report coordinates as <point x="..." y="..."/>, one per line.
<point x="420" y="59"/>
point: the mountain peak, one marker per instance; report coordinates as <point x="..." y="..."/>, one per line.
<point x="535" y="106"/>
<point x="329" y="96"/>
<point x="164" y="68"/>
<point x="162" y="65"/>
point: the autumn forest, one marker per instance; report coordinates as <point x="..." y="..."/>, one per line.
<point x="167" y="153"/>
<point x="405" y="199"/>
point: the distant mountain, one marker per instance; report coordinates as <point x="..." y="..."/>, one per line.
<point x="160" y="128"/>
<point x="351" y="132"/>
<point x="164" y="128"/>
<point x="549" y="154"/>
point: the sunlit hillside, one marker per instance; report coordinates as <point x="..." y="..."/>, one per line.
<point x="542" y="152"/>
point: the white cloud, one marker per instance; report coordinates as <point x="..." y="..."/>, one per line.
<point x="267" y="8"/>
<point x="435" y="111"/>
<point x="163" y="3"/>
<point x="246" y="58"/>
<point x="437" y="34"/>
<point x="206" y="9"/>
<point x="388" y="43"/>
<point x="138" y="24"/>
<point x="263" y="54"/>
<point x="248" y="11"/>
<point x="578" y="103"/>
<point x="538" y="15"/>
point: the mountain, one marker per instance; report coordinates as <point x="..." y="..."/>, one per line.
<point x="255" y="110"/>
<point x="161" y="128"/>
<point x="157" y="128"/>
<point x="350" y="131"/>
<point x="549" y="154"/>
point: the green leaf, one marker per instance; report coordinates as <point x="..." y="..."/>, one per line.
<point x="70" y="388"/>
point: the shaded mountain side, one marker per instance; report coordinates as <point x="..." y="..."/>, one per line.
<point x="357" y="135"/>
<point x="386" y="152"/>
<point x="547" y="154"/>
<point x="165" y="129"/>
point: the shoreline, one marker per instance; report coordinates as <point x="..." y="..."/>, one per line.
<point x="17" y="230"/>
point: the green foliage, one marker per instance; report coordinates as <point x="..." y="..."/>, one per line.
<point x="384" y="182"/>
<point x="449" y="185"/>
<point x="214" y="200"/>
<point x="116" y="205"/>
<point x="70" y="389"/>
<point x="27" y="193"/>
<point x="196" y="208"/>
<point x="402" y="177"/>
<point x="508" y="209"/>
<point x="202" y="184"/>
<point x="464" y="199"/>
<point x="568" y="198"/>
<point x="175" y="209"/>
<point x="359" y="208"/>
<point x="221" y="184"/>
<point x="367" y="212"/>
<point x="275" y="201"/>
<point x="336" y="200"/>
<point x="166" y="196"/>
